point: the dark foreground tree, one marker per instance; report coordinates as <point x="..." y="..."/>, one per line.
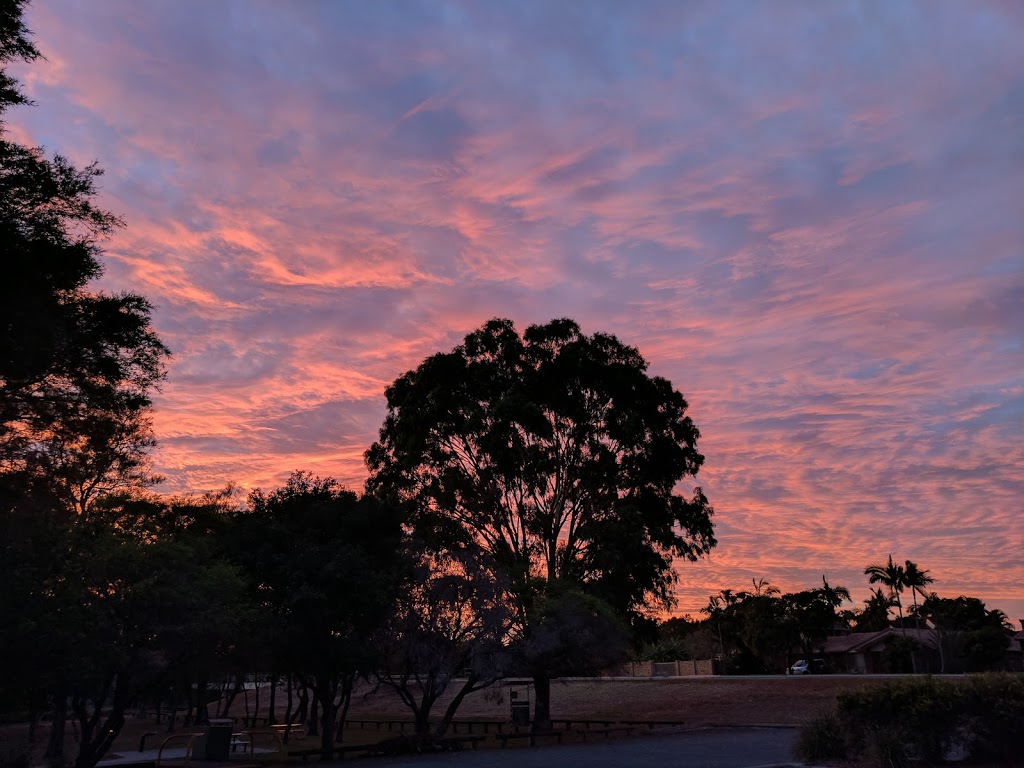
<point x="447" y="628"/>
<point x="326" y="566"/>
<point x="892" y="575"/>
<point x="76" y="366"/>
<point x="972" y="638"/>
<point x="555" y="455"/>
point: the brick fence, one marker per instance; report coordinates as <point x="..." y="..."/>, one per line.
<point x="664" y="669"/>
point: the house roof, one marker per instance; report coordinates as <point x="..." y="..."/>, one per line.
<point x="865" y="642"/>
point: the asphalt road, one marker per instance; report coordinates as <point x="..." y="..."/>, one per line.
<point x="711" y="748"/>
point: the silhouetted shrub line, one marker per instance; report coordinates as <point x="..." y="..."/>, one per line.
<point x="980" y="717"/>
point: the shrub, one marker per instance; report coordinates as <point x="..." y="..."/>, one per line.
<point x="992" y="722"/>
<point x="921" y="713"/>
<point x="926" y="717"/>
<point x="884" y="749"/>
<point x="14" y="757"/>
<point x="820" y="738"/>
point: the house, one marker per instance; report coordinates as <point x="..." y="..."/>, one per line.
<point x="869" y="652"/>
<point x="873" y="652"/>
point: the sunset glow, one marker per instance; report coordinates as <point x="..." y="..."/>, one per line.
<point x="807" y="216"/>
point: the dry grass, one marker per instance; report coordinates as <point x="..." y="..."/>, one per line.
<point x="696" y="701"/>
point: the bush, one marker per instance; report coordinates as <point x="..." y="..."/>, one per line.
<point x="14" y="757"/>
<point x="924" y="717"/>
<point x="820" y="738"/>
<point x="992" y="723"/>
<point x="884" y="749"/>
<point x="920" y="712"/>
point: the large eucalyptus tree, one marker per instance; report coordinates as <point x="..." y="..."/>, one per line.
<point x="557" y="457"/>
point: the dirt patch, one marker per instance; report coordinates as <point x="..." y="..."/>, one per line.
<point x="693" y="700"/>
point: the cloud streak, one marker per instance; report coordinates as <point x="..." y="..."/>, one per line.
<point x="806" y="218"/>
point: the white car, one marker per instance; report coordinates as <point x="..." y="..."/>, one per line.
<point x="804" y="667"/>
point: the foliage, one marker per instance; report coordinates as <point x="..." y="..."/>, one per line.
<point x="76" y="366"/>
<point x="972" y="638"/>
<point x="670" y="648"/>
<point x="77" y="369"/>
<point x="448" y="621"/>
<point x="105" y="615"/>
<point x="555" y="455"/>
<point x="898" y="656"/>
<point x="923" y="717"/>
<point x="326" y="565"/>
<point x="992" y="722"/>
<point x="920" y="712"/>
<point x="875" y="616"/>
<point x="820" y="738"/>
<point x="885" y="748"/>
<point x="891" y="575"/>
<point x="762" y="626"/>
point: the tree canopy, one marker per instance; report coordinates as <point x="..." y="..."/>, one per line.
<point x="556" y="455"/>
<point x="77" y="366"/>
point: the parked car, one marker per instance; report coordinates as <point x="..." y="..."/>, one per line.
<point x="804" y="667"/>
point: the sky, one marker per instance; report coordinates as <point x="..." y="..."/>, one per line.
<point x="807" y="216"/>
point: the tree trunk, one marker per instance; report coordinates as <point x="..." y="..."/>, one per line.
<point x="172" y="714"/>
<point x="93" y="749"/>
<point x="302" y="715"/>
<point x="55" y="747"/>
<point x="449" y="713"/>
<point x="271" y="718"/>
<point x="202" y="708"/>
<point x="288" y="700"/>
<point x="325" y="692"/>
<point x="314" y="717"/>
<point x="541" y="703"/>
<point x="256" y="698"/>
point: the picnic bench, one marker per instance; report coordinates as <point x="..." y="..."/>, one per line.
<point x="504" y="738"/>
<point x="289" y="731"/>
<point x="338" y="749"/>
<point x="568" y="723"/>
<point x="379" y="723"/>
<point x="606" y="732"/>
<point x="651" y="724"/>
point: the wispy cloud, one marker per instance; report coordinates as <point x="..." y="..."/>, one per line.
<point x="806" y="217"/>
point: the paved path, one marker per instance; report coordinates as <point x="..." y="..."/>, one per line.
<point x="712" y="748"/>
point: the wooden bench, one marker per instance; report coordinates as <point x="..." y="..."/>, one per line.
<point x="287" y="732"/>
<point x="651" y="724"/>
<point x="504" y="737"/>
<point x="378" y="724"/>
<point x="457" y="741"/>
<point x="338" y="749"/>
<point x="606" y="732"/>
<point x="582" y="721"/>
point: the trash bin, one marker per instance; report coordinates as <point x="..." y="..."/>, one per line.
<point x="215" y="743"/>
<point x="519" y="701"/>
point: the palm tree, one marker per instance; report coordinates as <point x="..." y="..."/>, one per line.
<point x="917" y="580"/>
<point x="894" y="577"/>
<point x="875" y="615"/>
<point x="762" y="587"/>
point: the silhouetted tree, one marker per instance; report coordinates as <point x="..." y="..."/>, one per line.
<point x="557" y="456"/>
<point x="327" y="566"/>
<point x="917" y="579"/>
<point x="77" y="369"/>
<point x="875" y="616"/>
<point x="892" y="576"/>
<point x="972" y="638"/>
<point x="449" y="622"/>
